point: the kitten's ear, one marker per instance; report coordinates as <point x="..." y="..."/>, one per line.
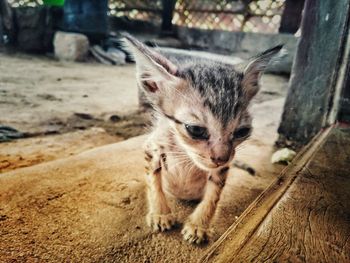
<point x="154" y="71"/>
<point x="254" y="70"/>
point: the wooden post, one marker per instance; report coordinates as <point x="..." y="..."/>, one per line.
<point x="315" y="72"/>
<point x="167" y="16"/>
<point x="291" y="16"/>
<point x="343" y="114"/>
<point x="7" y="24"/>
<point x="1" y="32"/>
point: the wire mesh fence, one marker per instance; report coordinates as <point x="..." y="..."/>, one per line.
<point x="137" y="9"/>
<point x="249" y="16"/>
<point x="232" y="15"/>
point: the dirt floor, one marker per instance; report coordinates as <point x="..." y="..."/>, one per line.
<point x="39" y="95"/>
<point x="89" y="206"/>
<point x="28" y="152"/>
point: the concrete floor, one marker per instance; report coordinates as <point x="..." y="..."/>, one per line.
<point x="90" y="206"/>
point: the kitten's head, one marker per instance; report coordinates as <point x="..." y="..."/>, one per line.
<point x="205" y="102"/>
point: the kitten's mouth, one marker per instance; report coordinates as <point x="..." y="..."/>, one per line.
<point x="204" y="163"/>
<point x="207" y="166"/>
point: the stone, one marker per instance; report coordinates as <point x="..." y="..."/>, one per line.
<point x="71" y="46"/>
<point x="114" y="118"/>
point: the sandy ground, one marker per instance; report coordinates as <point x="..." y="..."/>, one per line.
<point x="89" y="206"/>
<point x="41" y="95"/>
<point x="28" y="152"/>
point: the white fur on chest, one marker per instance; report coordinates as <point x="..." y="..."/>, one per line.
<point x="183" y="179"/>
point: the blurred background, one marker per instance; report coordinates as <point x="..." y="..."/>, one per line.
<point x="40" y="39"/>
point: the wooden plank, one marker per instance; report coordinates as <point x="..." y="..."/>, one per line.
<point x="302" y="217"/>
<point x="240" y="232"/>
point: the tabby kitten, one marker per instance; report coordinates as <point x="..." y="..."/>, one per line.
<point x="201" y="115"/>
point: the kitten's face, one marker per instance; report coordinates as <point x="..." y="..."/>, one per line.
<point x="208" y="138"/>
<point x="206" y="103"/>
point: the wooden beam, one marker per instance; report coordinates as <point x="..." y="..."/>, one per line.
<point x="303" y="216"/>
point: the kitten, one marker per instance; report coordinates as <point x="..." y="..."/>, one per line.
<point x="201" y="116"/>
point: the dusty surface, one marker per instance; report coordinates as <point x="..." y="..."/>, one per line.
<point x="39" y="95"/>
<point x="90" y="207"/>
<point x="28" y="152"/>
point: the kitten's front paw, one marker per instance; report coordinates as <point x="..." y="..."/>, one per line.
<point x="195" y="234"/>
<point x="161" y="222"/>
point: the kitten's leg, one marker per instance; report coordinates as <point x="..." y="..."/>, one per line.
<point x="159" y="217"/>
<point x="196" y="229"/>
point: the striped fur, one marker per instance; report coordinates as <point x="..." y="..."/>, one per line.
<point x="207" y="94"/>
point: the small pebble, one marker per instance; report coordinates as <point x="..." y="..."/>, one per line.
<point x="114" y="118"/>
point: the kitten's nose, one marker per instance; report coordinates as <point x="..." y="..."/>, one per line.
<point x="219" y="160"/>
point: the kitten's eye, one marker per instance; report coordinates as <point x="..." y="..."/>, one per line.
<point x="241" y="133"/>
<point x="197" y="132"/>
